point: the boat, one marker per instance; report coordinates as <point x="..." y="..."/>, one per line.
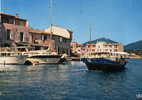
<point x="106" y="61"/>
<point x="42" y="57"/>
<point x="11" y="56"/>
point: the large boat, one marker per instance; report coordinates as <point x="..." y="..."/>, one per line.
<point x="11" y="56"/>
<point x="106" y="61"/>
<point x="42" y="57"/>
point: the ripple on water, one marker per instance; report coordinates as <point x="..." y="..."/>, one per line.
<point x="70" y="81"/>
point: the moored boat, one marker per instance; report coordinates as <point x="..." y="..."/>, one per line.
<point x="10" y="56"/>
<point x="106" y="61"/>
<point x="43" y="57"/>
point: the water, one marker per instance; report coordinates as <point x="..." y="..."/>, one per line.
<point x="70" y="81"/>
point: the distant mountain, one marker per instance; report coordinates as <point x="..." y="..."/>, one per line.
<point x="134" y="46"/>
<point x="100" y="39"/>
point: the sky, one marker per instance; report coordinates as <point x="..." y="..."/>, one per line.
<point x="119" y="20"/>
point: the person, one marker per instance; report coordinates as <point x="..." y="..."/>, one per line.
<point x="64" y="55"/>
<point x="63" y="58"/>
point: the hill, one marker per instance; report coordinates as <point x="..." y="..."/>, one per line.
<point x="100" y="39"/>
<point x="135" y="46"/>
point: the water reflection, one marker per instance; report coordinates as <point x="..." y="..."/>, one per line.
<point x="6" y="68"/>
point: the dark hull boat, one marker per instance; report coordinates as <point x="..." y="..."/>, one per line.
<point x="105" y="64"/>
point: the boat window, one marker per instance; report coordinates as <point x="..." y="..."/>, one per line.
<point x="21" y="49"/>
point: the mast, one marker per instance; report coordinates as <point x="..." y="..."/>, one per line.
<point x="50" y="17"/>
<point x="90" y="31"/>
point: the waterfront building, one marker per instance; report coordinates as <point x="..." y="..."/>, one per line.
<point x="62" y="38"/>
<point x="109" y="47"/>
<point x="81" y="50"/>
<point x="102" y="46"/>
<point x="59" y="38"/>
<point x="77" y="48"/>
<point x="89" y="49"/>
<point x="98" y="46"/>
<point x="15" y="30"/>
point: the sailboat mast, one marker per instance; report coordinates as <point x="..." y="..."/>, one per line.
<point x="90" y="31"/>
<point x="51" y="11"/>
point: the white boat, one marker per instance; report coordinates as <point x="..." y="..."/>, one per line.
<point x="28" y="55"/>
<point x="45" y="56"/>
<point x="10" y="56"/>
<point x="42" y="57"/>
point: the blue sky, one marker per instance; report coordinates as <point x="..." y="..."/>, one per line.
<point x="119" y="20"/>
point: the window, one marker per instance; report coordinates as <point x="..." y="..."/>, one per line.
<point x="45" y="37"/>
<point x="115" y="50"/>
<point x="93" y="49"/>
<point x="115" y="46"/>
<point x="61" y="39"/>
<point x="19" y="22"/>
<point x="8" y="34"/>
<point x="6" y="20"/>
<point x="21" y="36"/>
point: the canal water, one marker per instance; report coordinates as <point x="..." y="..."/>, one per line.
<point x="71" y="81"/>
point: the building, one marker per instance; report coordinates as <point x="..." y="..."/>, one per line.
<point x="89" y="49"/>
<point x="98" y="46"/>
<point x="59" y="38"/>
<point x="15" y="30"/>
<point x="109" y="47"/>
<point x="76" y="49"/>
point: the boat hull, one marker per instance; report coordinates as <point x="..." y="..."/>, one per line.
<point x="104" y="65"/>
<point x="12" y="60"/>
